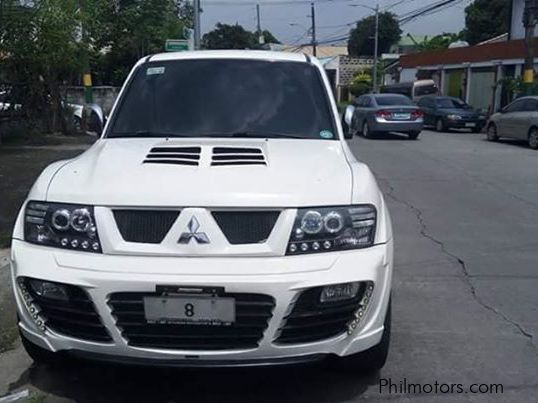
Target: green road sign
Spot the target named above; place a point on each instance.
(176, 45)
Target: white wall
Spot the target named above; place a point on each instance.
(407, 75)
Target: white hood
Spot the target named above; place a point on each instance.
(298, 173)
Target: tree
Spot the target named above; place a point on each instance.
(41, 54)
(485, 19)
(269, 37)
(226, 36)
(438, 42)
(361, 42)
(131, 29)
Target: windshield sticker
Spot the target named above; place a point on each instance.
(154, 70)
(326, 134)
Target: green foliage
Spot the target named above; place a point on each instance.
(43, 53)
(226, 36)
(485, 19)
(127, 30)
(439, 42)
(518, 88)
(361, 83)
(361, 42)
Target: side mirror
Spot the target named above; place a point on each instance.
(347, 120)
(95, 119)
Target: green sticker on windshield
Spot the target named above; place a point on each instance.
(154, 70)
(326, 134)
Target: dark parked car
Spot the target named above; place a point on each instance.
(446, 113)
(383, 113)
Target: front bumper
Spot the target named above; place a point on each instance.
(283, 278)
(465, 124)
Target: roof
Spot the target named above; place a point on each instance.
(472, 54)
(322, 51)
(229, 54)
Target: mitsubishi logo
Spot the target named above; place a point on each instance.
(192, 227)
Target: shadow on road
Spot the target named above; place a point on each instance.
(387, 136)
(84, 382)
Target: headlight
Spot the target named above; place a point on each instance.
(61, 225)
(330, 229)
(454, 117)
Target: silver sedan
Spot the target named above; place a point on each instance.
(383, 113)
(518, 120)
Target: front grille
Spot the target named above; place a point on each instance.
(174, 156)
(311, 321)
(253, 312)
(144, 226)
(246, 227)
(76, 317)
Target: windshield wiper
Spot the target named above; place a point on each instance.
(148, 133)
(255, 135)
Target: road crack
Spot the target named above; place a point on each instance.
(466, 275)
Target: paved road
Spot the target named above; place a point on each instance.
(465, 214)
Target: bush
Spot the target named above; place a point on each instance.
(361, 84)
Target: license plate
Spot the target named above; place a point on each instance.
(401, 116)
(197, 310)
(470, 124)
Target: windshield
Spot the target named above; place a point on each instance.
(225, 98)
(451, 103)
(393, 100)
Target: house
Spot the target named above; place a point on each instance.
(474, 73)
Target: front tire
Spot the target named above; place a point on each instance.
(413, 135)
(440, 125)
(373, 359)
(533, 138)
(492, 133)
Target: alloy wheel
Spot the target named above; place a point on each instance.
(533, 139)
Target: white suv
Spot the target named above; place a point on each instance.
(220, 220)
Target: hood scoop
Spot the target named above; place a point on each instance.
(174, 156)
(228, 156)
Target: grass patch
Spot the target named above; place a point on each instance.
(36, 398)
(5, 241)
(8, 338)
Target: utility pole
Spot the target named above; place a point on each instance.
(197, 25)
(529, 21)
(376, 47)
(314, 41)
(261, 39)
(86, 71)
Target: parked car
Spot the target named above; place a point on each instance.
(383, 113)
(446, 113)
(518, 120)
(414, 90)
(220, 220)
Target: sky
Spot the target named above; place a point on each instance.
(289, 21)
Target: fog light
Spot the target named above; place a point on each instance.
(49, 290)
(339, 292)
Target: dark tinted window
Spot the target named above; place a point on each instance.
(208, 97)
(393, 100)
(426, 103)
(516, 106)
(451, 103)
(531, 105)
